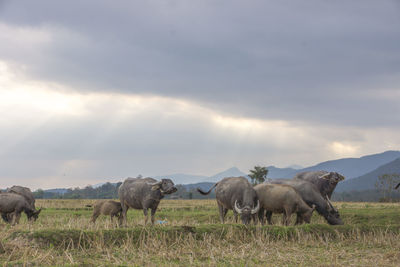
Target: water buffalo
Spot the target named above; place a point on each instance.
(143, 193)
(397, 186)
(23, 191)
(107, 207)
(311, 195)
(325, 181)
(14, 204)
(277, 198)
(237, 194)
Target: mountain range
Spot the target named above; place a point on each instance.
(361, 173)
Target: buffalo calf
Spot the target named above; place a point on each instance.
(107, 207)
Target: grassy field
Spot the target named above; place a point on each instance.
(192, 235)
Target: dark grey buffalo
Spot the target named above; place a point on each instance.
(325, 181)
(143, 193)
(237, 194)
(23, 191)
(311, 195)
(397, 186)
(14, 204)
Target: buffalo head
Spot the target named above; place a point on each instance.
(333, 214)
(246, 211)
(332, 177)
(33, 215)
(166, 186)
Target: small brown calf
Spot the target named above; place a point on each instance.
(107, 207)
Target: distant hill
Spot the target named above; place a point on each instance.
(232, 172)
(349, 167)
(181, 178)
(274, 172)
(367, 181)
(355, 167)
(57, 191)
(203, 186)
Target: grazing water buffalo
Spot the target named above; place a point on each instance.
(311, 195)
(14, 204)
(325, 181)
(144, 193)
(237, 194)
(107, 207)
(277, 198)
(23, 191)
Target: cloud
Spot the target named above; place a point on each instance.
(107, 89)
(275, 59)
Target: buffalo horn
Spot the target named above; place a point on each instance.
(257, 208)
(330, 204)
(154, 186)
(237, 209)
(325, 176)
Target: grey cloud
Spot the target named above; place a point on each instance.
(307, 61)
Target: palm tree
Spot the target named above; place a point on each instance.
(258, 175)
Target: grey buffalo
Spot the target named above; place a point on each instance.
(325, 181)
(311, 195)
(397, 186)
(144, 193)
(277, 198)
(237, 194)
(107, 207)
(23, 191)
(14, 205)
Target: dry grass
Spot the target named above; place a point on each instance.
(63, 235)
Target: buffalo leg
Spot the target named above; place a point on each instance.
(222, 213)
(269, 215)
(153, 212)
(94, 217)
(123, 212)
(255, 218)
(120, 219)
(261, 214)
(5, 217)
(299, 219)
(286, 218)
(235, 214)
(145, 210)
(16, 217)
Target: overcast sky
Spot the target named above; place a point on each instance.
(95, 91)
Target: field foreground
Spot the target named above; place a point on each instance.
(189, 233)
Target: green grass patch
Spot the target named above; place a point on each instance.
(170, 234)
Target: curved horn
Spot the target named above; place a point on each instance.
(155, 186)
(257, 208)
(330, 204)
(156, 183)
(237, 209)
(325, 176)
